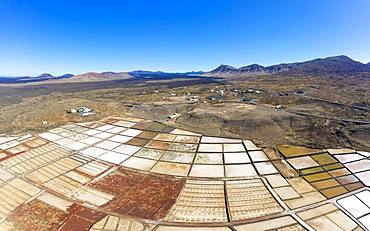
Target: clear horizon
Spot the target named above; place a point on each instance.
(148, 70)
(60, 37)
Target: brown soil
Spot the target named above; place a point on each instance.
(328, 112)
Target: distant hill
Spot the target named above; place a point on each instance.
(97, 77)
(30, 79)
(224, 70)
(68, 78)
(141, 73)
(49, 76)
(330, 65)
(337, 64)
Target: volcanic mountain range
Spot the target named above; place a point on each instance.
(340, 65)
(330, 65)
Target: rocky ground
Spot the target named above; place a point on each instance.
(316, 111)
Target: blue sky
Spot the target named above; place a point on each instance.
(76, 36)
